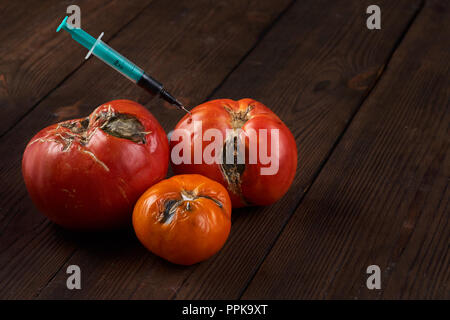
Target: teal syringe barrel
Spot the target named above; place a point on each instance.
(104, 52)
(115, 60)
(118, 62)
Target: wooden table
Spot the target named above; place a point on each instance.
(369, 110)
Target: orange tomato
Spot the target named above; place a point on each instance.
(185, 219)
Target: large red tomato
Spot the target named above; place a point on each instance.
(248, 129)
(88, 173)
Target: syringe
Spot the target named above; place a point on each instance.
(118, 62)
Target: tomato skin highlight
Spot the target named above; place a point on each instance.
(82, 174)
(184, 219)
(253, 187)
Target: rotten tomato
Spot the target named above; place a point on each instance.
(88, 173)
(184, 219)
(241, 144)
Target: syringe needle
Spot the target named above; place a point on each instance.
(171, 99)
(183, 107)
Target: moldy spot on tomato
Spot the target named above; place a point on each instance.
(232, 172)
(170, 206)
(119, 125)
(125, 126)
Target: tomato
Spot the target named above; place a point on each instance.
(253, 129)
(88, 173)
(184, 219)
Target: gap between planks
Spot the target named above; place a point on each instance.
(336, 143)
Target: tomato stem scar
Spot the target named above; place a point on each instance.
(171, 205)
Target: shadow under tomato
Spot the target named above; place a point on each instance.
(115, 240)
(122, 244)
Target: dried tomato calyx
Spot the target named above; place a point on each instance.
(77, 126)
(171, 205)
(191, 196)
(120, 125)
(116, 124)
(239, 118)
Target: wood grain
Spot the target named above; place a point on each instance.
(383, 196)
(315, 81)
(34, 59)
(190, 46)
(316, 97)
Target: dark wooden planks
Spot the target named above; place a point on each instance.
(34, 59)
(383, 196)
(314, 69)
(189, 46)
